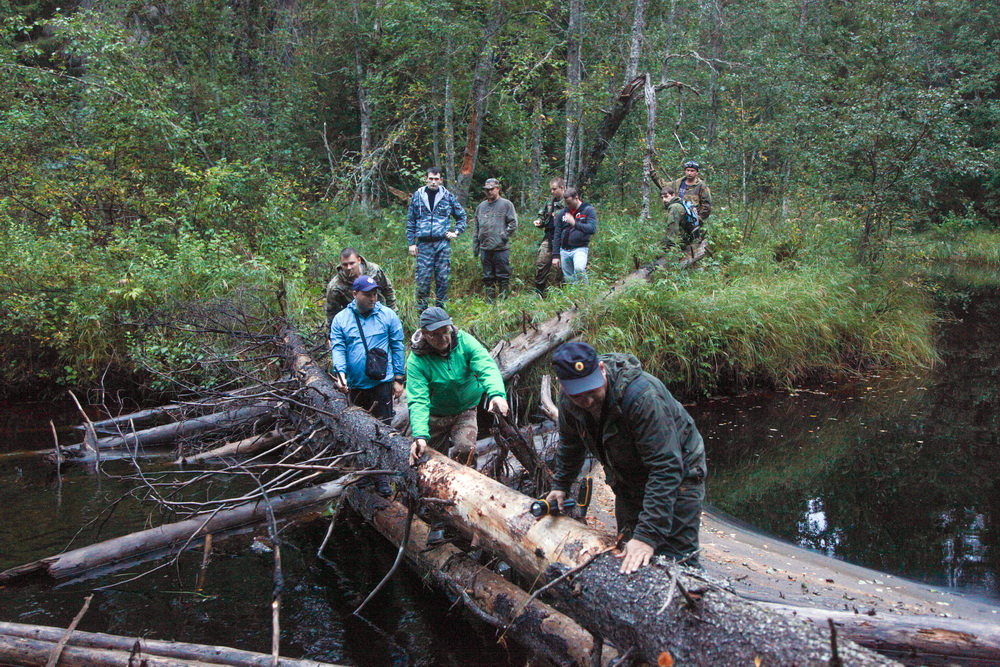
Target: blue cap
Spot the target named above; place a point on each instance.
(577, 368)
(364, 284)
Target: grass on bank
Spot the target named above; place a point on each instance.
(75, 304)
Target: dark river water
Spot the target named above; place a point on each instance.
(894, 472)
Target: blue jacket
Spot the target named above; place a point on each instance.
(382, 329)
(567, 237)
(423, 224)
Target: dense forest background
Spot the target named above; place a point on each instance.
(162, 151)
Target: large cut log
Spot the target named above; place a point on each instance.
(170, 538)
(92, 648)
(230, 420)
(518, 353)
(723, 630)
(548, 634)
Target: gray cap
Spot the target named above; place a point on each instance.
(434, 318)
(491, 183)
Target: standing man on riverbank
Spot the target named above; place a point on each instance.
(576, 224)
(547, 221)
(448, 373)
(429, 235)
(693, 189)
(653, 455)
(340, 291)
(494, 224)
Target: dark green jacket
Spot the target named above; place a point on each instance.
(646, 440)
(698, 194)
(339, 293)
(493, 225)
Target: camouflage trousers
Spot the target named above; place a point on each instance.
(683, 538)
(544, 271)
(433, 262)
(457, 433)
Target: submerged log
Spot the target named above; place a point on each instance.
(725, 629)
(171, 538)
(30, 645)
(535, 625)
(230, 420)
(251, 445)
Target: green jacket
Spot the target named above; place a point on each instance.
(675, 218)
(698, 194)
(339, 293)
(447, 384)
(646, 440)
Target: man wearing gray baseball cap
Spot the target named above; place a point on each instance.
(493, 226)
(461, 371)
(653, 456)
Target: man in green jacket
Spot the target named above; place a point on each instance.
(448, 372)
(676, 214)
(692, 188)
(653, 456)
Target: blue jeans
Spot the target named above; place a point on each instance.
(574, 264)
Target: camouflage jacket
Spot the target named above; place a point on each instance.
(339, 292)
(698, 194)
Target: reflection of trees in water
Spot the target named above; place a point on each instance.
(897, 475)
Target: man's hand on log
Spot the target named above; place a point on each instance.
(417, 449)
(499, 404)
(635, 555)
(556, 498)
(340, 383)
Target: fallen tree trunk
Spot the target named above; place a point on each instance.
(170, 538)
(518, 353)
(230, 420)
(535, 625)
(31, 644)
(251, 445)
(726, 629)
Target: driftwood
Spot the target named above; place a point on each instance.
(250, 445)
(127, 550)
(30, 645)
(228, 421)
(725, 629)
(548, 634)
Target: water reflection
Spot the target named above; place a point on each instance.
(895, 473)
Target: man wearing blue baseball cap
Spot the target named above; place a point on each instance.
(653, 456)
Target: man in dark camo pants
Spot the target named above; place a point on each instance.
(429, 236)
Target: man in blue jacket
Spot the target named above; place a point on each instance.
(367, 325)
(429, 235)
(575, 225)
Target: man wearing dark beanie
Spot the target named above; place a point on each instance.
(653, 456)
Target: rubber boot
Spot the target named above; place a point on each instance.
(504, 291)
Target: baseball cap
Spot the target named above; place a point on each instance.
(491, 183)
(364, 284)
(434, 318)
(577, 367)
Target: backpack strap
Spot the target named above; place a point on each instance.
(361, 330)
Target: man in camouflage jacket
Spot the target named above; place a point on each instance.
(352, 266)
(692, 188)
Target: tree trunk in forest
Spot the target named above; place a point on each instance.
(537, 128)
(533, 624)
(574, 75)
(650, 154)
(449, 124)
(712, 12)
(479, 102)
(170, 538)
(612, 121)
(728, 630)
(93, 648)
(635, 45)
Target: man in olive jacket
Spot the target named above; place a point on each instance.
(340, 290)
(494, 224)
(653, 456)
(692, 188)
(448, 372)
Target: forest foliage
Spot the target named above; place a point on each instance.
(158, 154)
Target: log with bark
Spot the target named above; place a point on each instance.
(251, 445)
(546, 633)
(260, 415)
(723, 629)
(128, 550)
(30, 645)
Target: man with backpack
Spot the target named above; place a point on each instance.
(683, 225)
(691, 188)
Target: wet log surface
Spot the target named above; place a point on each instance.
(30, 645)
(127, 550)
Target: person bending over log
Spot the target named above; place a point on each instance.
(448, 372)
(653, 455)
